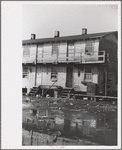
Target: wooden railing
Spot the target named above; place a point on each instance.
(77, 57)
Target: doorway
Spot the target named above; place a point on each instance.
(69, 76)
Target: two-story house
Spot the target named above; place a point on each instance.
(71, 61)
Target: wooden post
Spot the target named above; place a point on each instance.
(68, 95)
(36, 64)
(94, 99)
(42, 92)
(37, 138)
(31, 137)
(106, 83)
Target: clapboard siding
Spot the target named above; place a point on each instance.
(44, 75)
(72, 50)
(31, 58)
(110, 46)
(101, 80)
(62, 51)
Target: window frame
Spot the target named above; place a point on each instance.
(54, 45)
(89, 47)
(25, 73)
(88, 73)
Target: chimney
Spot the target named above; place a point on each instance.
(33, 36)
(57, 34)
(84, 31)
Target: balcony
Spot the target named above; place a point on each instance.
(98, 57)
(29, 60)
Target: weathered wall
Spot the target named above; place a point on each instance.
(62, 51)
(77, 49)
(29, 81)
(44, 75)
(78, 79)
(109, 44)
(112, 79)
(32, 53)
(47, 50)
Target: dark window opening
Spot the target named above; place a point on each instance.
(89, 47)
(25, 72)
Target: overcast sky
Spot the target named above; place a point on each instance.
(44, 20)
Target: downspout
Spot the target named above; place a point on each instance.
(106, 73)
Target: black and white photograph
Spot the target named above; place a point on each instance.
(69, 75)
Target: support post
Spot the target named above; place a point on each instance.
(36, 64)
(42, 92)
(106, 83)
(31, 137)
(94, 99)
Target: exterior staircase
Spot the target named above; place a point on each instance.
(34, 91)
(65, 92)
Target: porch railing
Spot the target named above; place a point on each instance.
(77, 57)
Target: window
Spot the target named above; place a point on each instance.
(54, 74)
(88, 73)
(55, 48)
(89, 48)
(25, 72)
(26, 51)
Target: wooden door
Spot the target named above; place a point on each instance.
(38, 81)
(69, 76)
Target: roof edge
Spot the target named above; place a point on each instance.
(67, 38)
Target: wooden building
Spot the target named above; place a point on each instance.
(72, 61)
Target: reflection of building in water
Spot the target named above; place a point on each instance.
(43, 110)
(83, 124)
(59, 121)
(67, 123)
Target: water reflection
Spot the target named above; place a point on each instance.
(98, 127)
(85, 124)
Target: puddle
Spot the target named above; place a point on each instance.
(100, 128)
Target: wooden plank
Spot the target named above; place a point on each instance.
(95, 96)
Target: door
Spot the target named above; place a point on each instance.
(69, 76)
(38, 81)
